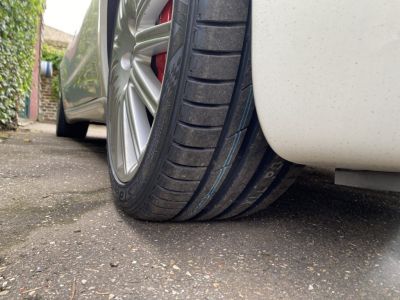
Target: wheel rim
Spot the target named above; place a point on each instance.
(141, 38)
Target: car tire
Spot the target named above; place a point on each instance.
(64, 129)
(206, 157)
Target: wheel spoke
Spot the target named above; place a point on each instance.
(138, 121)
(120, 145)
(140, 9)
(131, 150)
(153, 40)
(125, 28)
(127, 12)
(148, 12)
(146, 85)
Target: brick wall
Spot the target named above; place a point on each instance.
(48, 103)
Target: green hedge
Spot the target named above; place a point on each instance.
(18, 31)
(55, 55)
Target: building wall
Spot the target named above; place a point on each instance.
(34, 98)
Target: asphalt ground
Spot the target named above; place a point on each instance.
(61, 237)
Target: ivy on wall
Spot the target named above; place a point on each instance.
(18, 31)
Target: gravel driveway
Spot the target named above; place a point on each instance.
(61, 237)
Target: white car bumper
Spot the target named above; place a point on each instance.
(327, 81)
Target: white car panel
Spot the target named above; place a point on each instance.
(327, 81)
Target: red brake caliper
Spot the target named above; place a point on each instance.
(161, 59)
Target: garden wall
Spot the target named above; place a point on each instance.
(48, 102)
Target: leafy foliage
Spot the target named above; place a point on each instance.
(55, 88)
(18, 30)
(54, 55)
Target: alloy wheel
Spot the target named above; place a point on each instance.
(141, 40)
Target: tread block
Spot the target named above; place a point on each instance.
(214, 67)
(190, 156)
(165, 194)
(203, 115)
(169, 205)
(183, 172)
(216, 38)
(177, 185)
(223, 11)
(197, 136)
(209, 93)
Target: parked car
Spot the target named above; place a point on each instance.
(212, 107)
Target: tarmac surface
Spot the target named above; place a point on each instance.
(61, 237)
